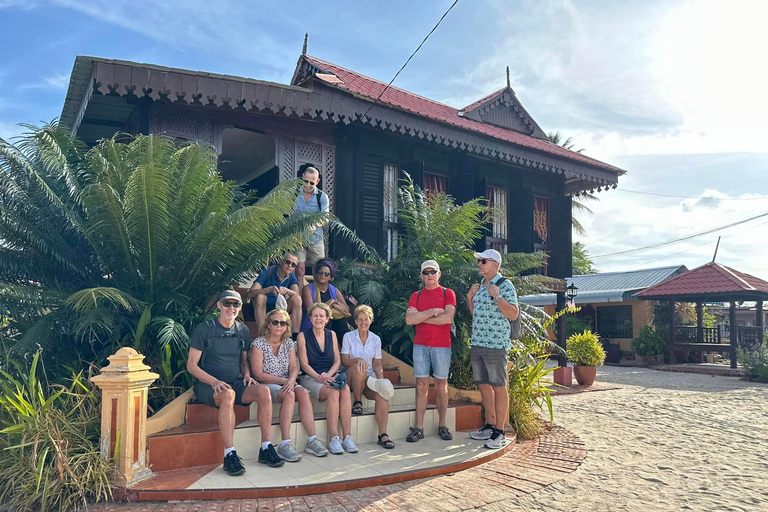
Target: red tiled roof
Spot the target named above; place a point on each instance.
(706, 279)
(399, 98)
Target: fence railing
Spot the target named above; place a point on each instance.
(687, 334)
(749, 337)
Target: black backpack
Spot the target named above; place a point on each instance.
(516, 325)
(242, 333)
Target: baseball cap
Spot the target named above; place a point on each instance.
(488, 254)
(230, 294)
(430, 264)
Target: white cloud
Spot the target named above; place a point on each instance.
(54, 82)
(23, 4)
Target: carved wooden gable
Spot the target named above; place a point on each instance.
(504, 110)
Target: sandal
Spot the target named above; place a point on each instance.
(415, 435)
(357, 409)
(388, 444)
(444, 433)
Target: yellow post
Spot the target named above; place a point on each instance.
(124, 384)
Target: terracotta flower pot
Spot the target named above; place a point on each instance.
(585, 375)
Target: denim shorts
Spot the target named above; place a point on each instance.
(489, 365)
(438, 357)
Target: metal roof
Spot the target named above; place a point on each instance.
(609, 286)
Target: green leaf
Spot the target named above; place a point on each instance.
(146, 316)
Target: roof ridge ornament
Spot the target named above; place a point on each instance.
(508, 84)
(304, 48)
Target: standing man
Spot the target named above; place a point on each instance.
(218, 360)
(273, 281)
(311, 200)
(431, 310)
(492, 306)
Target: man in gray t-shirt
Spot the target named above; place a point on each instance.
(218, 359)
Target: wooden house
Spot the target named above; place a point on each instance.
(361, 135)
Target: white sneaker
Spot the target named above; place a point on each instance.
(349, 444)
(335, 446)
(497, 440)
(316, 448)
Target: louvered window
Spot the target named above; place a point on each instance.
(435, 183)
(498, 201)
(389, 192)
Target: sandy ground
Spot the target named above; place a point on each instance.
(663, 442)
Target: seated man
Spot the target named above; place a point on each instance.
(273, 281)
(218, 360)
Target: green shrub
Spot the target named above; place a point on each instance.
(50, 443)
(585, 349)
(574, 324)
(649, 343)
(755, 362)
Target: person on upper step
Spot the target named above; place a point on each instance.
(218, 360)
(273, 363)
(274, 281)
(431, 310)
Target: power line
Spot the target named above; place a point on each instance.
(409, 58)
(693, 197)
(677, 240)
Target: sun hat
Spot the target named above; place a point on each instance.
(383, 387)
(230, 294)
(488, 254)
(430, 264)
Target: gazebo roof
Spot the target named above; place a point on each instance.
(708, 281)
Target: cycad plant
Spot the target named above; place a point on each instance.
(126, 243)
(433, 226)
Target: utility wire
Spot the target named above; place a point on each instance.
(677, 240)
(409, 58)
(694, 197)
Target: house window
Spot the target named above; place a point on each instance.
(615, 321)
(541, 220)
(498, 201)
(435, 183)
(391, 175)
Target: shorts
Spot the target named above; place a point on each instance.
(438, 357)
(312, 253)
(274, 388)
(489, 365)
(204, 393)
(313, 386)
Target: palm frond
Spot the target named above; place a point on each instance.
(93, 298)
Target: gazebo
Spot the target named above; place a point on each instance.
(712, 282)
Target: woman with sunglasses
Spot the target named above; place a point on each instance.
(320, 360)
(321, 290)
(273, 363)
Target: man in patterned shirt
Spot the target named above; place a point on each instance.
(492, 306)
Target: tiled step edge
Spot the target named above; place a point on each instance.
(303, 490)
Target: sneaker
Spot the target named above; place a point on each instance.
(233, 464)
(444, 433)
(484, 433)
(335, 446)
(270, 457)
(349, 444)
(497, 440)
(288, 452)
(316, 448)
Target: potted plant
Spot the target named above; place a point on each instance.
(585, 350)
(649, 347)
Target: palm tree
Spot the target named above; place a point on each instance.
(557, 138)
(126, 243)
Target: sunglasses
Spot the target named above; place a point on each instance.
(281, 323)
(428, 272)
(324, 274)
(484, 261)
(230, 304)
(290, 263)
(308, 182)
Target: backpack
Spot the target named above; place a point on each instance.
(242, 333)
(445, 299)
(516, 325)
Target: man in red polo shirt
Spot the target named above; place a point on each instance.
(431, 310)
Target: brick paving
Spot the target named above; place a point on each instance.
(528, 467)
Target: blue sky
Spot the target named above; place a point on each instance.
(671, 90)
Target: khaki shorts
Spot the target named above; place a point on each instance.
(311, 254)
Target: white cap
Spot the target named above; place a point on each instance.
(383, 387)
(488, 254)
(430, 264)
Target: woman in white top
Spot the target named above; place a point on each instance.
(361, 354)
(273, 363)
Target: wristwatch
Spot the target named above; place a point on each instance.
(498, 297)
